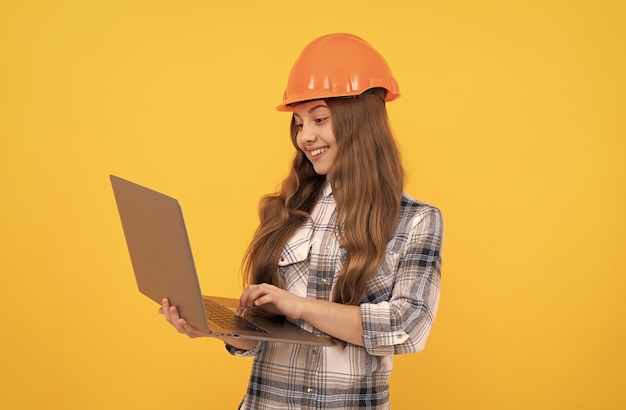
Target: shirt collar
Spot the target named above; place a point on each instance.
(328, 190)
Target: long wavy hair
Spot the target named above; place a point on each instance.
(367, 180)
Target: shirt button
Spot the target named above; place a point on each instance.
(309, 390)
(323, 280)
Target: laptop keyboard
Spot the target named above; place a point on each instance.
(226, 318)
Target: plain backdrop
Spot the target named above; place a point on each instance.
(511, 121)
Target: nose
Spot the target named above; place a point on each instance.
(307, 134)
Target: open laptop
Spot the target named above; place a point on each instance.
(164, 268)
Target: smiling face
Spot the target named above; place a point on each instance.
(315, 135)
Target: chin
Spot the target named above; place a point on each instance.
(319, 171)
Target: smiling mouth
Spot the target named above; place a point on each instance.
(318, 151)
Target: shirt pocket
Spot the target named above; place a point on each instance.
(293, 266)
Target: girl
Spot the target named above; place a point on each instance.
(340, 249)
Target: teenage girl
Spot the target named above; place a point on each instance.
(340, 250)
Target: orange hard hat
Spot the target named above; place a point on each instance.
(337, 65)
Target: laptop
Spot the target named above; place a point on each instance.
(163, 264)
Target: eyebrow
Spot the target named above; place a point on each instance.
(310, 111)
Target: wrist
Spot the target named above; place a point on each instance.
(303, 309)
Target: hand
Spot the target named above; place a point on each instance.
(180, 324)
(272, 299)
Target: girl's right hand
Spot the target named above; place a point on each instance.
(180, 324)
(184, 327)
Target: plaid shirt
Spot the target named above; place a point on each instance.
(397, 314)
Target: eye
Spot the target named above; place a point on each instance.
(321, 120)
(298, 125)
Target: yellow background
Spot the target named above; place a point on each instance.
(511, 121)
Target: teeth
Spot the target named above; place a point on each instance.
(318, 151)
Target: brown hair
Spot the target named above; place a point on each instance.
(367, 180)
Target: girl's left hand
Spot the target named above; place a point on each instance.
(272, 299)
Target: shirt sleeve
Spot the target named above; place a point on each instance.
(235, 351)
(402, 324)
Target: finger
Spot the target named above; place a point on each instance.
(248, 297)
(189, 329)
(175, 319)
(264, 299)
(267, 293)
(243, 300)
(241, 307)
(165, 307)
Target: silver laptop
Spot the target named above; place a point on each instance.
(164, 268)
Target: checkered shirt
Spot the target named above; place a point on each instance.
(397, 314)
